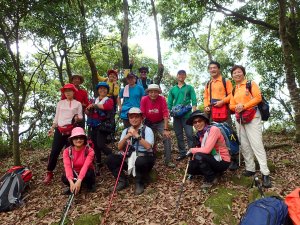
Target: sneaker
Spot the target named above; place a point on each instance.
(48, 178)
(139, 188)
(266, 181)
(248, 173)
(170, 165)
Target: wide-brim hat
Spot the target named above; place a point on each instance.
(102, 84)
(112, 71)
(153, 87)
(77, 131)
(68, 86)
(143, 68)
(195, 114)
(77, 75)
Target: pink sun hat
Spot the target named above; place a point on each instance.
(77, 131)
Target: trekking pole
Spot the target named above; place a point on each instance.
(117, 180)
(66, 209)
(181, 187)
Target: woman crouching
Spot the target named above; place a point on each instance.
(211, 156)
(78, 163)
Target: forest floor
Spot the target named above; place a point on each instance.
(224, 203)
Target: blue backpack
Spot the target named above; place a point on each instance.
(266, 211)
(231, 138)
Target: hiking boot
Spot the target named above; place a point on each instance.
(66, 191)
(122, 184)
(266, 181)
(170, 165)
(248, 173)
(233, 165)
(48, 178)
(209, 184)
(139, 188)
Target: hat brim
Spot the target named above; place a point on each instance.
(191, 119)
(77, 136)
(79, 76)
(64, 89)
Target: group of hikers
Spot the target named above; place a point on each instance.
(145, 114)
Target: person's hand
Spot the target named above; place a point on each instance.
(219, 103)
(239, 108)
(133, 132)
(167, 133)
(207, 109)
(51, 132)
(77, 186)
(72, 186)
(76, 118)
(90, 106)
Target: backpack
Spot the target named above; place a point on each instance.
(230, 136)
(266, 211)
(12, 185)
(263, 106)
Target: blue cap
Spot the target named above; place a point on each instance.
(102, 84)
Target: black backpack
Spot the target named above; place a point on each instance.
(11, 189)
(263, 106)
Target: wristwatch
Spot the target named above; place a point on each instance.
(139, 138)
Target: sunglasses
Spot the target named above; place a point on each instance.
(78, 138)
(197, 121)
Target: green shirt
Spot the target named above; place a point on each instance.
(177, 94)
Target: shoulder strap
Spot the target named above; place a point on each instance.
(233, 91)
(249, 86)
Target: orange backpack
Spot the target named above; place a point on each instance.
(293, 202)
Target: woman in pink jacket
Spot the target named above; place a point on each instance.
(210, 156)
(78, 163)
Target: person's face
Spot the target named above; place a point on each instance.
(153, 94)
(69, 93)
(78, 141)
(199, 123)
(131, 80)
(76, 81)
(102, 91)
(214, 71)
(181, 77)
(238, 75)
(112, 77)
(135, 119)
(143, 74)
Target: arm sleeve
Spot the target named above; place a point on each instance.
(123, 134)
(121, 93)
(85, 99)
(211, 141)
(67, 164)
(108, 105)
(101, 79)
(229, 90)
(149, 136)
(116, 90)
(88, 161)
(193, 96)
(79, 110)
(56, 114)
(232, 104)
(142, 104)
(256, 94)
(205, 95)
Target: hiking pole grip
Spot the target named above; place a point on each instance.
(117, 180)
(66, 209)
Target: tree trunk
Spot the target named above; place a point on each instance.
(160, 67)
(85, 46)
(289, 66)
(124, 36)
(15, 142)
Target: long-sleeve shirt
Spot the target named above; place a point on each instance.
(242, 95)
(215, 140)
(217, 91)
(184, 95)
(81, 95)
(81, 162)
(154, 111)
(66, 110)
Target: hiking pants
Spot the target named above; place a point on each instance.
(89, 178)
(59, 141)
(143, 166)
(252, 144)
(179, 125)
(99, 140)
(159, 127)
(207, 165)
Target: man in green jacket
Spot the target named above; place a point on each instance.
(185, 95)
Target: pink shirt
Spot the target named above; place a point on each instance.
(155, 111)
(80, 95)
(65, 111)
(214, 140)
(81, 162)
